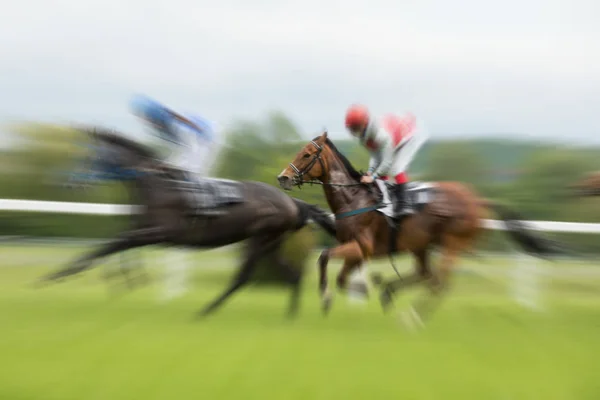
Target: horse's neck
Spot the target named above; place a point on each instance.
(344, 198)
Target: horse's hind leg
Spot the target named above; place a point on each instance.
(110, 273)
(125, 269)
(422, 272)
(128, 263)
(256, 249)
(243, 275)
(133, 270)
(294, 277)
(290, 273)
(141, 277)
(438, 283)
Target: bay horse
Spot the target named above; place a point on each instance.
(452, 219)
(255, 212)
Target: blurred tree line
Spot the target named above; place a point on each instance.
(530, 177)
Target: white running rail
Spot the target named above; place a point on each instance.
(64, 207)
(526, 274)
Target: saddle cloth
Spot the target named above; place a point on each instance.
(419, 194)
(214, 192)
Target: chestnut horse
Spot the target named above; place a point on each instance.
(452, 218)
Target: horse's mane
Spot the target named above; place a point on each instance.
(345, 162)
(115, 138)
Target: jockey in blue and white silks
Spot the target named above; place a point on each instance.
(186, 142)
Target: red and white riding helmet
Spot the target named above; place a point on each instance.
(357, 116)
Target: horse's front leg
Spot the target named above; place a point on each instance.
(126, 241)
(358, 287)
(323, 284)
(352, 254)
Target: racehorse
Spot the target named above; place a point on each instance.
(588, 186)
(261, 213)
(451, 217)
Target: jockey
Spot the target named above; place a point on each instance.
(186, 143)
(392, 142)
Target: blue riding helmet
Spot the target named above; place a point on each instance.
(150, 109)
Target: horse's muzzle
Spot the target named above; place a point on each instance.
(285, 182)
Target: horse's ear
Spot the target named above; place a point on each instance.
(324, 135)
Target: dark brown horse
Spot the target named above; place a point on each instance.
(452, 219)
(253, 212)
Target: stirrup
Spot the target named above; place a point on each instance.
(407, 211)
(403, 213)
(209, 212)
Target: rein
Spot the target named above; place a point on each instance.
(317, 157)
(299, 174)
(350, 213)
(316, 182)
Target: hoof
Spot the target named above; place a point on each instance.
(205, 312)
(40, 283)
(376, 278)
(385, 298)
(326, 303)
(144, 280)
(201, 315)
(358, 291)
(291, 315)
(47, 280)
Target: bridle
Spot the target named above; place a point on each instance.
(299, 174)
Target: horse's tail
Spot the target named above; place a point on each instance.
(517, 229)
(310, 212)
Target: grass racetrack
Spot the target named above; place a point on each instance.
(79, 341)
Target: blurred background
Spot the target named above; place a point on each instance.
(510, 93)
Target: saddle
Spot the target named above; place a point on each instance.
(207, 196)
(418, 195)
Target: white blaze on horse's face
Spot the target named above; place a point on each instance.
(285, 180)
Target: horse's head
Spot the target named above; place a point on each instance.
(308, 165)
(589, 186)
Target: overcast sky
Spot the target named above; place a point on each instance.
(473, 67)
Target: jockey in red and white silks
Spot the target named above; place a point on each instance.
(392, 143)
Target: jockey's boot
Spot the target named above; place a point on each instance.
(402, 205)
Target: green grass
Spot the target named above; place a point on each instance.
(78, 341)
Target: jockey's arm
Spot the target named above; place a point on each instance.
(374, 162)
(386, 153)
